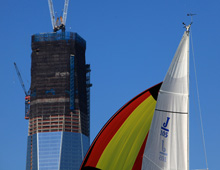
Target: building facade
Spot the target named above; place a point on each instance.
(59, 118)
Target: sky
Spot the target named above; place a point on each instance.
(130, 44)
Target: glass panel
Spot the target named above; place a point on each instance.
(71, 157)
(49, 150)
(28, 159)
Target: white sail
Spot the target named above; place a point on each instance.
(167, 146)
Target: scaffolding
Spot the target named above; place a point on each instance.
(60, 82)
(57, 36)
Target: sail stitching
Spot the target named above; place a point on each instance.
(171, 111)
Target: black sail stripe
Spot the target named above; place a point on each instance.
(171, 111)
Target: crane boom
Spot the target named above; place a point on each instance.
(58, 23)
(65, 11)
(20, 79)
(27, 94)
(52, 16)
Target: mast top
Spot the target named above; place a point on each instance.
(187, 26)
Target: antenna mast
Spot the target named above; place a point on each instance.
(191, 15)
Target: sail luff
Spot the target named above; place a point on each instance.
(167, 145)
(188, 100)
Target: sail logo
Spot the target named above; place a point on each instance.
(164, 133)
(164, 130)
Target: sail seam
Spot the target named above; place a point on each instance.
(168, 92)
(152, 162)
(168, 111)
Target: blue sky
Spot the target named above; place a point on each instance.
(130, 45)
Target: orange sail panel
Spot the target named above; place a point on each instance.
(121, 142)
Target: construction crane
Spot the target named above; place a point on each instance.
(60, 22)
(27, 94)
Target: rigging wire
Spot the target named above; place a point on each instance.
(198, 98)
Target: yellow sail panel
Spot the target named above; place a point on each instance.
(124, 147)
(121, 142)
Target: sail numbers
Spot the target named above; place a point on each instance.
(164, 133)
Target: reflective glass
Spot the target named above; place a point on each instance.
(28, 159)
(49, 155)
(49, 150)
(34, 152)
(74, 148)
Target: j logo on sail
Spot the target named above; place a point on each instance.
(166, 123)
(164, 129)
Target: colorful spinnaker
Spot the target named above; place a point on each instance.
(121, 142)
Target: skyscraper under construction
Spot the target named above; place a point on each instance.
(59, 118)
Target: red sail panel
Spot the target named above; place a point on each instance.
(122, 139)
(138, 161)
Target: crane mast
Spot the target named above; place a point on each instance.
(27, 94)
(58, 23)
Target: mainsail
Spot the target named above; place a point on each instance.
(121, 142)
(167, 146)
(150, 132)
